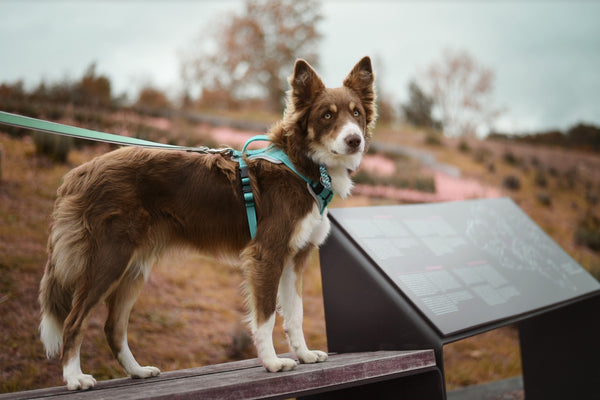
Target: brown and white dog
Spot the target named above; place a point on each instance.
(115, 214)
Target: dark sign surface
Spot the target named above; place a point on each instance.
(463, 264)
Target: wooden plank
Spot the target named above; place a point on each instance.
(120, 382)
(248, 379)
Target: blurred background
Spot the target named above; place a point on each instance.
(476, 99)
(540, 59)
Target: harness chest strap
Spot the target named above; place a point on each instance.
(321, 190)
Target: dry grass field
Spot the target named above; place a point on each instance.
(191, 311)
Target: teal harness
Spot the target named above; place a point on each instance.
(321, 190)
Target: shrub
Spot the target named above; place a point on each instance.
(152, 99)
(591, 196)
(424, 184)
(55, 147)
(241, 344)
(587, 232)
(433, 138)
(481, 154)
(510, 158)
(541, 180)
(511, 182)
(544, 199)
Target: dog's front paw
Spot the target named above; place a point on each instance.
(145, 372)
(312, 356)
(80, 381)
(279, 364)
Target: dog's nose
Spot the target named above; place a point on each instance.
(353, 141)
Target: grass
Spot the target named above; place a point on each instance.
(486, 357)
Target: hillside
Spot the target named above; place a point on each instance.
(191, 310)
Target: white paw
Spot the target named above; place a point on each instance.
(279, 364)
(145, 372)
(312, 356)
(80, 381)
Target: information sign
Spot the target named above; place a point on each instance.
(469, 263)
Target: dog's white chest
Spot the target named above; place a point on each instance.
(312, 229)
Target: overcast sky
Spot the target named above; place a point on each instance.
(545, 54)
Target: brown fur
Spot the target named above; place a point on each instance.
(116, 213)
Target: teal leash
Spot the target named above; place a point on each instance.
(88, 134)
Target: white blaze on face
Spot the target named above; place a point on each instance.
(340, 153)
(349, 141)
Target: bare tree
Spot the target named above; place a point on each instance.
(251, 54)
(461, 90)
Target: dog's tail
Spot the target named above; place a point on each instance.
(55, 302)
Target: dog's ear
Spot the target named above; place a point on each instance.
(361, 80)
(305, 84)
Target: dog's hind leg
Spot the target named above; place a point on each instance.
(103, 271)
(290, 307)
(85, 300)
(120, 303)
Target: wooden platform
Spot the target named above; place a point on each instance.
(249, 380)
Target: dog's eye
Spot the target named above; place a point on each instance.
(327, 115)
(356, 113)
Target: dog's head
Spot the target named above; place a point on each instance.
(336, 123)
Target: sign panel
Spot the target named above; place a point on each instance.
(464, 264)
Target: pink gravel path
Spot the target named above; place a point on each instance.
(448, 188)
(231, 137)
(378, 164)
